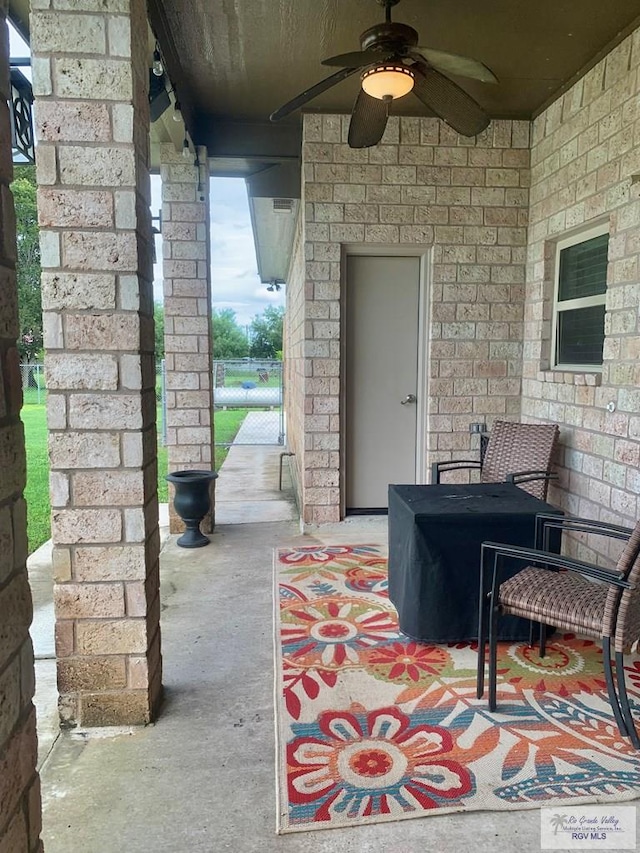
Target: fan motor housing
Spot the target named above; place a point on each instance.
(389, 36)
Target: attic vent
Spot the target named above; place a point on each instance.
(282, 205)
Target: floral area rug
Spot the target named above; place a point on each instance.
(373, 726)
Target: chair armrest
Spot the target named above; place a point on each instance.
(545, 521)
(529, 476)
(452, 465)
(546, 559)
(589, 525)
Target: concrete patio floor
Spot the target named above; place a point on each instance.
(202, 779)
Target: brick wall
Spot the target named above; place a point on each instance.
(19, 782)
(585, 150)
(423, 185)
(187, 309)
(90, 77)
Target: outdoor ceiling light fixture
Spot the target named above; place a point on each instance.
(275, 285)
(157, 67)
(200, 187)
(159, 100)
(177, 112)
(388, 82)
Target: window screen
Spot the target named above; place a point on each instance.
(581, 287)
(583, 269)
(581, 336)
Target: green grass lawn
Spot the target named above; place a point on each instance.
(34, 397)
(37, 491)
(227, 423)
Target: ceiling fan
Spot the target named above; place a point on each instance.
(392, 64)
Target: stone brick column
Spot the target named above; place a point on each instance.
(90, 80)
(187, 315)
(19, 782)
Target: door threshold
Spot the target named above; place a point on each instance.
(376, 510)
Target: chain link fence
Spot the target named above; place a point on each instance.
(33, 386)
(252, 388)
(254, 385)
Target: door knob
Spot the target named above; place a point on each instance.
(410, 398)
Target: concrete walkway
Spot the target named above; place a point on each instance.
(259, 428)
(247, 488)
(202, 779)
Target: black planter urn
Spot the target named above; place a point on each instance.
(192, 502)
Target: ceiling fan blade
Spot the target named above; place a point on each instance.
(358, 59)
(448, 101)
(368, 121)
(452, 63)
(311, 93)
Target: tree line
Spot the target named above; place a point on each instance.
(262, 338)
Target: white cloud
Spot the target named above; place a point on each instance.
(234, 277)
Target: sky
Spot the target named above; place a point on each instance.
(234, 275)
(17, 45)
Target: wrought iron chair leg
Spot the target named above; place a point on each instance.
(532, 630)
(543, 639)
(624, 701)
(493, 656)
(611, 690)
(482, 643)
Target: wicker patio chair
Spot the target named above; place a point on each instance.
(571, 595)
(517, 453)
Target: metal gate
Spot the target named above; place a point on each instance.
(255, 387)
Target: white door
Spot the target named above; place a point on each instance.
(381, 350)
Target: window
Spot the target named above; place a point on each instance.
(580, 293)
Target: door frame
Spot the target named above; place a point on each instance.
(424, 254)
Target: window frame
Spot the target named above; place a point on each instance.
(574, 304)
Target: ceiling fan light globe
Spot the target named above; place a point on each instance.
(387, 81)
